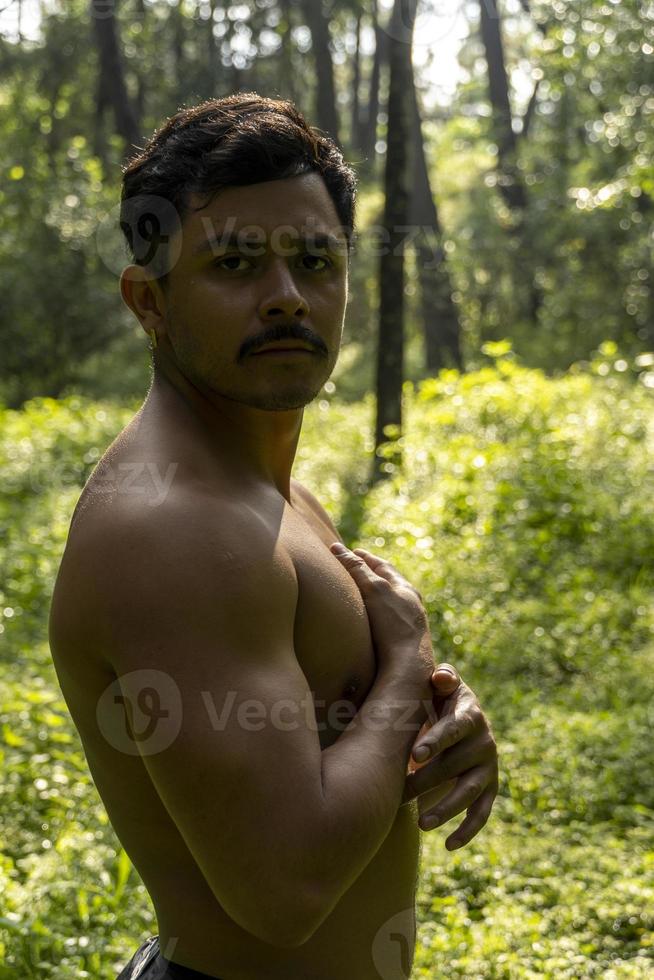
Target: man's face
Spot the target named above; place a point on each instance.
(249, 273)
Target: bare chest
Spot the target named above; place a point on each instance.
(332, 637)
(331, 631)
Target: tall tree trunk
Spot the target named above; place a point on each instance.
(510, 183)
(53, 138)
(509, 179)
(141, 90)
(287, 72)
(355, 123)
(111, 71)
(235, 80)
(212, 53)
(99, 140)
(390, 351)
(380, 58)
(177, 37)
(645, 205)
(317, 22)
(442, 330)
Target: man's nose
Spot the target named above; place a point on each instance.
(281, 294)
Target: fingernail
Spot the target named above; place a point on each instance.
(454, 845)
(421, 753)
(339, 549)
(428, 823)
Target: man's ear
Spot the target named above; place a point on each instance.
(145, 298)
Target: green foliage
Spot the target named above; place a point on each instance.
(523, 514)
(526, 515)
(585, 163)
(59, 304)
(586, 166)
(47, 451)
(555, 903)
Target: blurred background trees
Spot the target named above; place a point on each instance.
(531, 195)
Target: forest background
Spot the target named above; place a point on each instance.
(521, 322)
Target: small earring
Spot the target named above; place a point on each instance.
(153, 338)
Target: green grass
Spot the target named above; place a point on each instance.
(524, 515)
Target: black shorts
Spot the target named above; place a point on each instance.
(148, 964)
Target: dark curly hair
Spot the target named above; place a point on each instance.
(235, 141)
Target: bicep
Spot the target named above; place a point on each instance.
(241, 780)
(236, 760)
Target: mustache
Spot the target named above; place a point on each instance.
(285, 331)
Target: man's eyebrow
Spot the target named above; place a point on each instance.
(322, 240)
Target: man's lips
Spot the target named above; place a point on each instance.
(295, 352)
(278, 351)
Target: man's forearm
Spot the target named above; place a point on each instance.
(363, 777)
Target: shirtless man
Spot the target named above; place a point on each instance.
(247, 699)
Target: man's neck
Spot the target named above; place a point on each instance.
(250, 444)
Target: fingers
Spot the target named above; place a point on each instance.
(445, 680)
(379, 565)
(360, 570)
(452, 728)
(476, 818)
(363, 562)
(468, 790)
(455, 762)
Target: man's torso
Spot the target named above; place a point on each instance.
(334, 649)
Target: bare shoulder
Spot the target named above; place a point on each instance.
(187, 520)
(312, 501)
(131, 567)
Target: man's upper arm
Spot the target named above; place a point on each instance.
(207, 617)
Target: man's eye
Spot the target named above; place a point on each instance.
(318, 258)
(234, 259)
(231, 263)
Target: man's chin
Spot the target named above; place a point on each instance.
(282, 403)
(289, 400)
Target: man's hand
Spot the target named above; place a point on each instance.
(460, 771)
